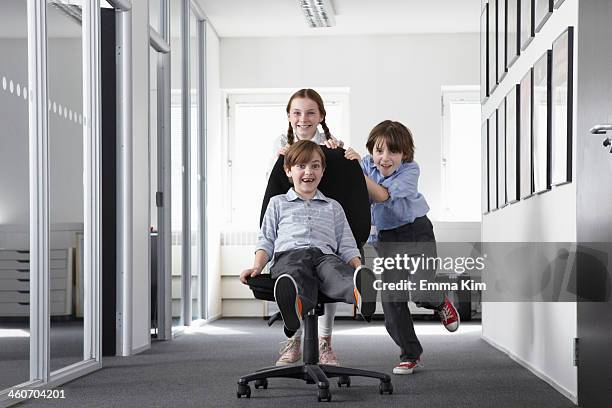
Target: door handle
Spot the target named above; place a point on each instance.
(603, 129)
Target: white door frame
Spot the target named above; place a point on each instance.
(164, 193)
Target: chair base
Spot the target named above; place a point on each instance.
(310, 371)
(318, 374)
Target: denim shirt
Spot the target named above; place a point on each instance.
(405, 203)
(291, 222)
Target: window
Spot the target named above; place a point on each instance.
(461, 156)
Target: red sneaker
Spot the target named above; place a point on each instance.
(449, 316)
(407, 367)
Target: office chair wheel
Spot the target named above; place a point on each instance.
(344, 380)
(261, 383)
(243, 390)
(324, 394)
(385, 387)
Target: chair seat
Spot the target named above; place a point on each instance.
(263, 289)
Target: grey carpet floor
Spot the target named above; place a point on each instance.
(66, 348)
(200, 369)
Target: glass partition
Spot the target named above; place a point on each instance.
(15, 197)
(66, 194)
(195, 177)
(176, 165)
(153, 221)
(154, 11)
(46, 167)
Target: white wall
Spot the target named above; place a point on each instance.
(539, 335)
(390, 77)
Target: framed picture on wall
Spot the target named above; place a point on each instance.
(541, 123)
(513, 47)
(526, 23)
(492, 27)
(543, 9)
(484, 138)
(502, 200)
(484, 54)
(558, 3)
(501, 40)
(512, 139)
(492, 169)
(561, 107)
(525, 127)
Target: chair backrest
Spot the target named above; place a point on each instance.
(343, 181)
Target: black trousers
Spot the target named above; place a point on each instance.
(416, 239)
(314, 271)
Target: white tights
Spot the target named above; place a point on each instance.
(326, 322)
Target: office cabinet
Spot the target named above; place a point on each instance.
(15, 282)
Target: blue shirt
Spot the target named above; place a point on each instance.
(405, 203)
(291, 222)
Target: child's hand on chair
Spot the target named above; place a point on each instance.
(351, 154)
(249, 273)
(334, 143)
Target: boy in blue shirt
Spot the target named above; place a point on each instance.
(308, 239)
(399, 213)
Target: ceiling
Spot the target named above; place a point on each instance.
(283, 18)
(273, 18)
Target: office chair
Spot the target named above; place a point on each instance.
(343, 181)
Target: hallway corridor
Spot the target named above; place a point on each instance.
(200, 369)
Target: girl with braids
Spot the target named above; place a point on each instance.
(305, 112)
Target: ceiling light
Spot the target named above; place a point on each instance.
(318, 13)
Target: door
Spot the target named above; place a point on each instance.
(593, 177)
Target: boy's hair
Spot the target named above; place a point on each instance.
(302, 152)
(396, 136)
(311, 94)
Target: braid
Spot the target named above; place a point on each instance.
(290, 135)
(326, 130)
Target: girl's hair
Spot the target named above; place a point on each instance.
(313, 95)
(396, 136)
(301, 152)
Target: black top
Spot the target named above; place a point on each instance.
(342, 180)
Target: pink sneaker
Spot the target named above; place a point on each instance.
(407, 367)
(290, 352)
(326, 354)
(449, 316)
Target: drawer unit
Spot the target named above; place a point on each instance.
(56, 273)
(23, 309)
(24, 284)
(6, 254)
(14, 264)
(57, 296)
(15, 282)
